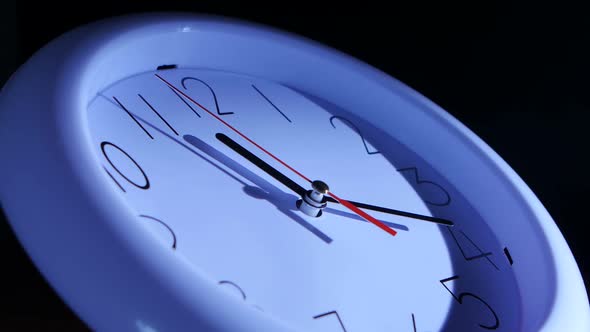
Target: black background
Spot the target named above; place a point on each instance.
(516, 75)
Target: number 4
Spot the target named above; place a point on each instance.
(474, 257)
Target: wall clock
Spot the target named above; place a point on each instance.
(187, 173)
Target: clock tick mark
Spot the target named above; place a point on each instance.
(507, 253)
(166, 67)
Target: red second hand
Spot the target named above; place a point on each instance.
(344, 202)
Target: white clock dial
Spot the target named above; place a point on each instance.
(242, 228)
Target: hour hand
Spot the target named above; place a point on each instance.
(282, 178)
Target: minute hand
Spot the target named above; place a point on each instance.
(302, 191)
(396, 212)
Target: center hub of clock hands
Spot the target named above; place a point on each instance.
(313, 201)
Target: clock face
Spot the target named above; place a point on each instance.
(170, 161)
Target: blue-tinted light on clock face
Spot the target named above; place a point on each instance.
(242, 227)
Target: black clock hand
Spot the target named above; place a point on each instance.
(302, 191)
(282, 178)
(396, 212)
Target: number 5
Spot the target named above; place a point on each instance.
(462, 296)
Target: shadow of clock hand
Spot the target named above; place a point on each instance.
(356, 217)
(275, 196)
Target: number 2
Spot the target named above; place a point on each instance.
(355, 128)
